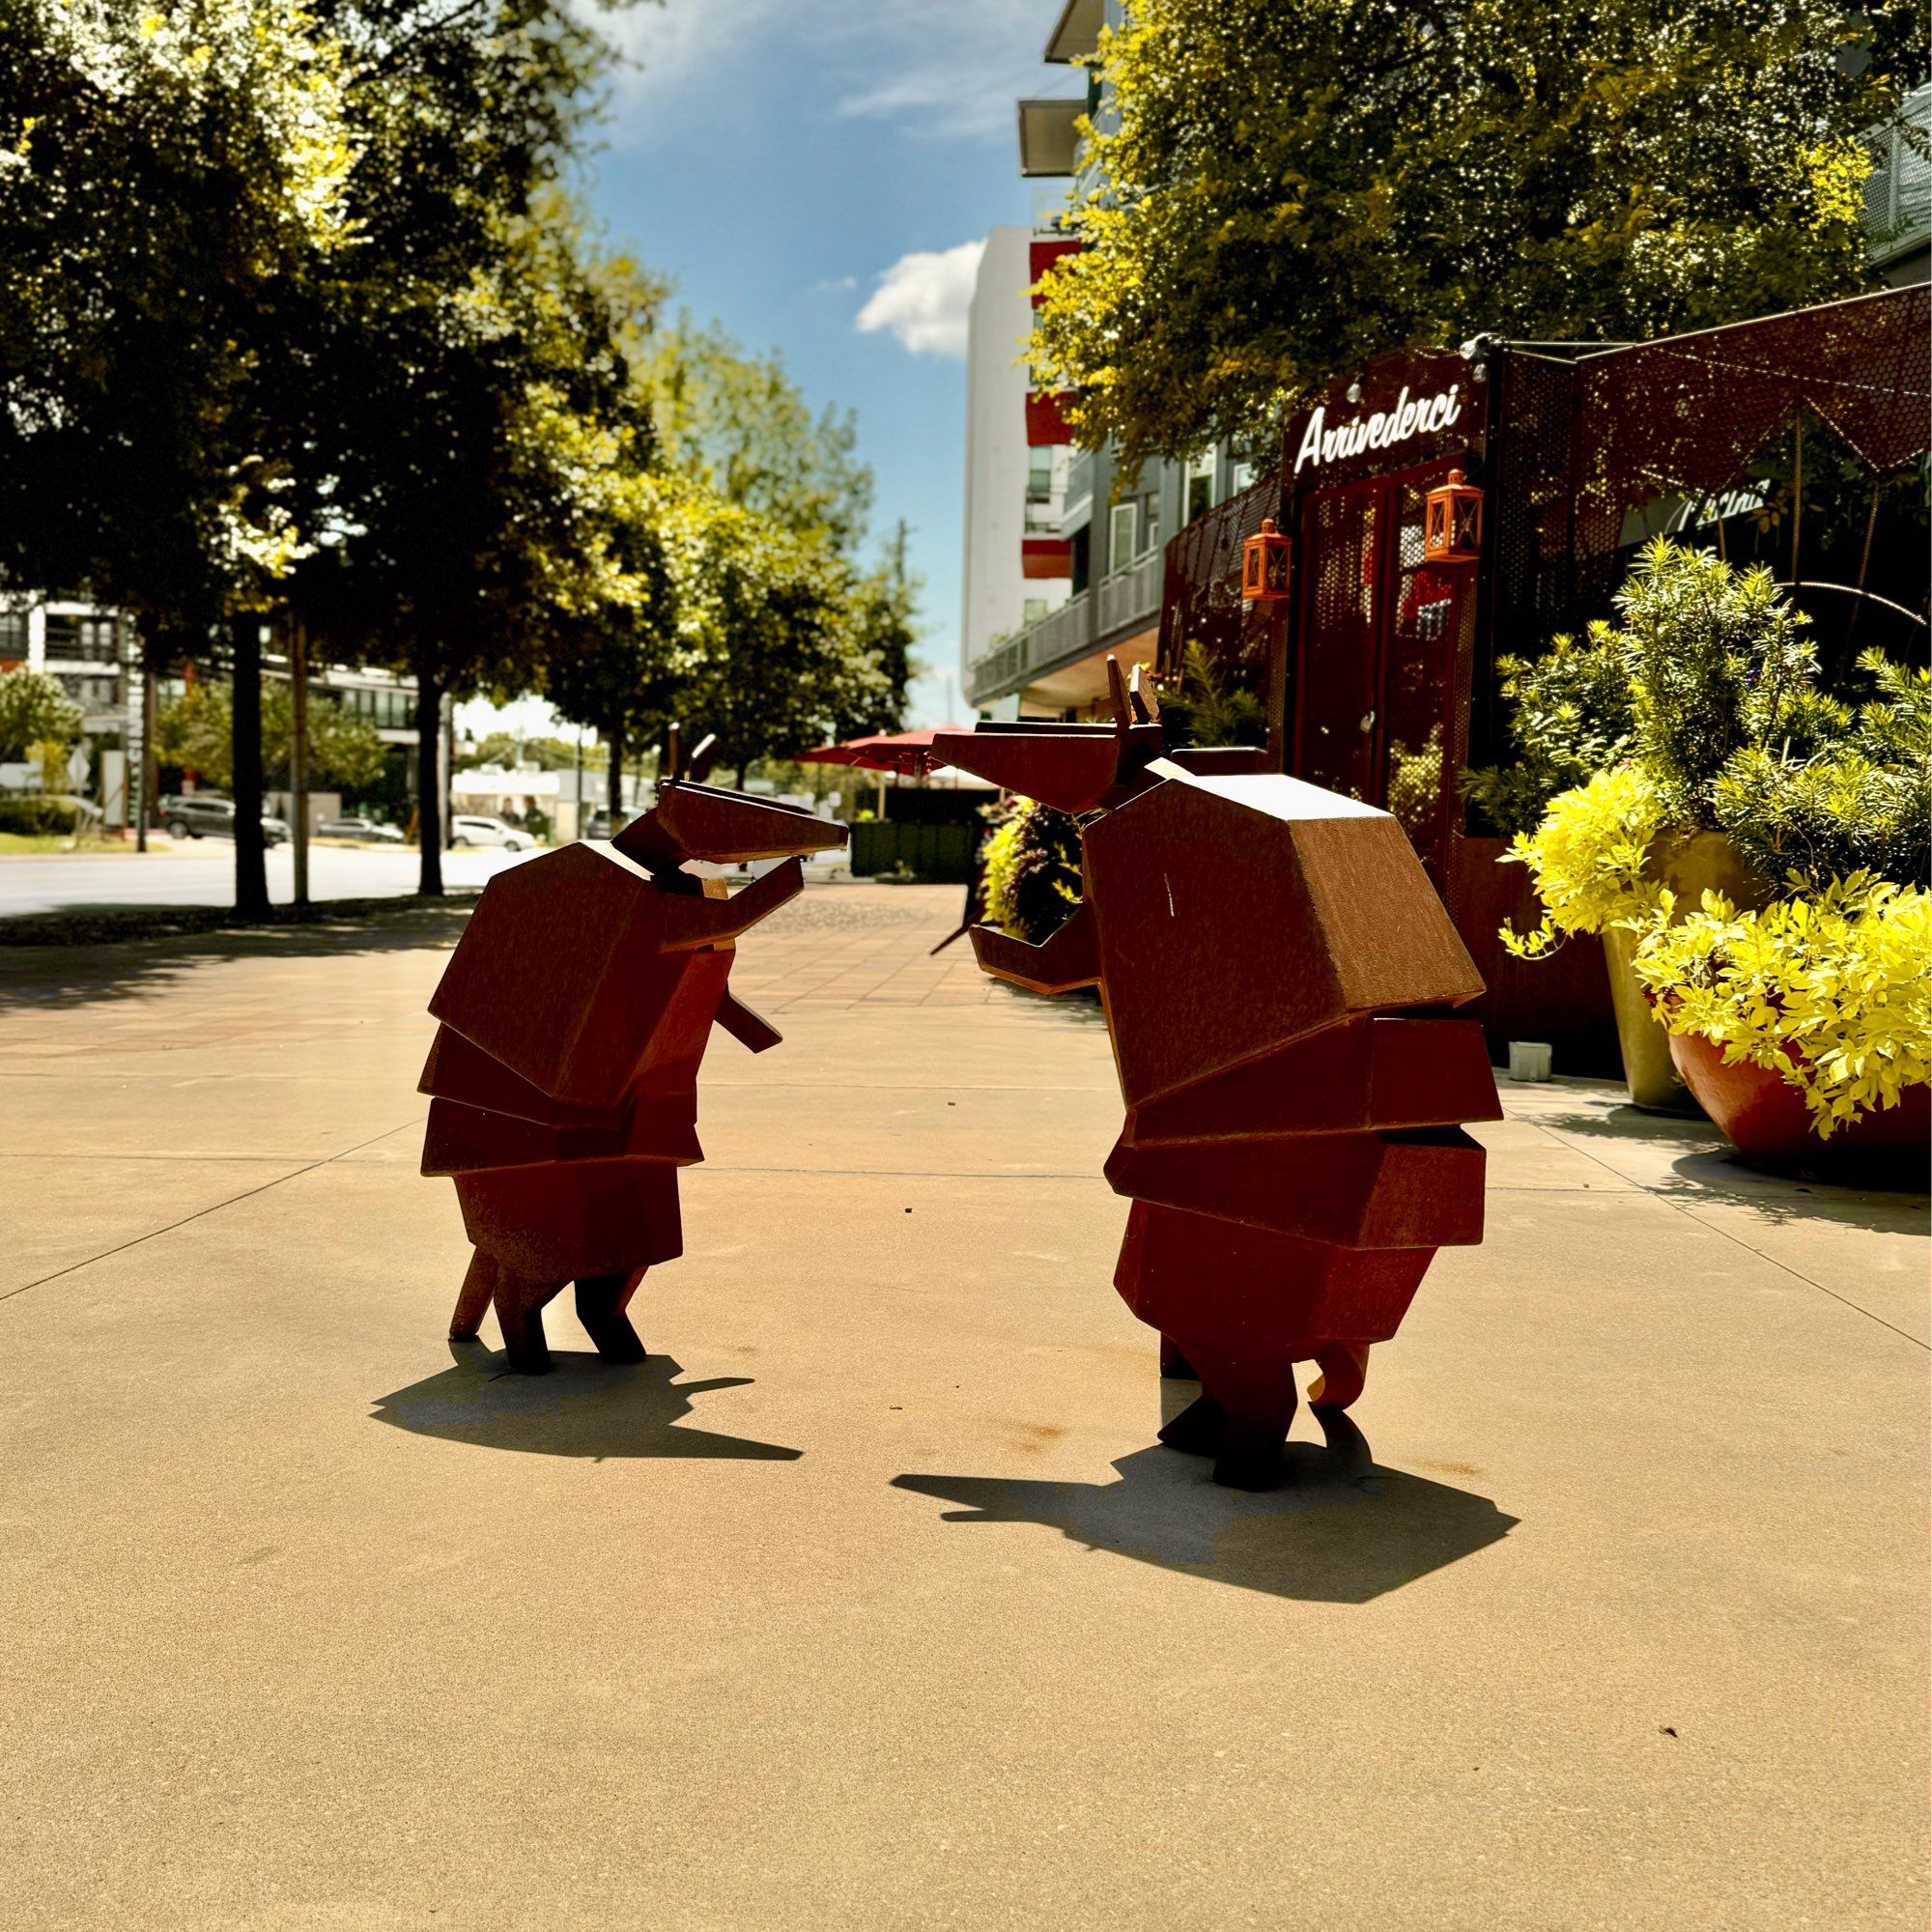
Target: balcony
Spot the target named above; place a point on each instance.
(1096, 620)
(1132, 595)
(1899, 191)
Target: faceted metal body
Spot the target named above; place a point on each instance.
(574, 1013)
(1279, 980)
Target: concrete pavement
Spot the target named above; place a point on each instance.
(868, 1600)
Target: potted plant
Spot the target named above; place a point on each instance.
(1031, 881)
(1710, 761)
(1806, 1023)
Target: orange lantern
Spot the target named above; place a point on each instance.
(1452, 530)
(1264, 565)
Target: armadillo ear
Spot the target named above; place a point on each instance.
(672, 768)
(1117, 691)
(698, 767)
(1136, 698)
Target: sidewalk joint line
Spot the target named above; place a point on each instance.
(1696, 1221)
(213, 1207)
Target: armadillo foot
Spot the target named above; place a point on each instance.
(1251, 1457)
(600, 1307)
(1198, 1430)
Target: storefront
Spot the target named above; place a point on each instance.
(1379, 660)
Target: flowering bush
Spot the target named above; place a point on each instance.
(1832, 991)
(1588, 857)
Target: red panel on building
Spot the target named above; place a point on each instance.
(1043, 255)
(1045, 557)
(1045, 418)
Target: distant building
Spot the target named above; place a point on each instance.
(94, 655)
(1063, 567)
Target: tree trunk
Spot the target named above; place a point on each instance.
(252, 872)
(617, 780)
(429, 782)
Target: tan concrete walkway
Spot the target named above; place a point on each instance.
(869, 1602)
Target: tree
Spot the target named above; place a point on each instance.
(508, 749)
(767, 623)
(737, 425)
(164, 174)
(35, 710)
(196, 730)
(885, 628)
(1290, 190)
(461, 377)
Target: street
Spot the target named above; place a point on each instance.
(202, 873)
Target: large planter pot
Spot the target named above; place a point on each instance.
(1767, 1120)
(1690, 864)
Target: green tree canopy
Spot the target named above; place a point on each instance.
(195, 729)
(738, 425)
(1292, 189)
(35, 710)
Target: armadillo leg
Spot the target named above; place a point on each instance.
(1345, 1367)
(520, 1306)
(1258, 1394)
(601, 1299)
(1175, 1367)
(473, 1302)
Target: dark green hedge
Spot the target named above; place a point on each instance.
(37, 815)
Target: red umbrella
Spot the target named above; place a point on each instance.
(902, 752)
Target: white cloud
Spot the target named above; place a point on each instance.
(922, 298)
(936, 69)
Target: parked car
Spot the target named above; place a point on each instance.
(205, 815)
(472, 829)
(601, 825)
(368, 828)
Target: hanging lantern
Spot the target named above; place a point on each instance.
(1452, 530)
(1264, 565)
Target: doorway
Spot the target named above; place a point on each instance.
(1383, 656)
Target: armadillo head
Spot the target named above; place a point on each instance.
(695, 820)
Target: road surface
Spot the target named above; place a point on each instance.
(202, 873)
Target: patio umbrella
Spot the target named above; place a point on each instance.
(901, 751)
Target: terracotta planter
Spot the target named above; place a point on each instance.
(1767, 1120)
(1690, 864)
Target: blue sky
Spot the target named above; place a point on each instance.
(785, 163)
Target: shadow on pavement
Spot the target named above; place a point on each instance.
(584, 1406)
(1339, 1532)
(1876, 1189)
(143, 959)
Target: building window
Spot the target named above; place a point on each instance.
(1033, 611)
(12, 634)
(1123, 529)
(1200, 486)
(63, 640)
(1039, 476)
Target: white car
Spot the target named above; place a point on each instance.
(469, 829)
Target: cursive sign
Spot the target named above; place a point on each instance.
(1381, 431)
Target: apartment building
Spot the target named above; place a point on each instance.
(1063, 564)
(94, 655)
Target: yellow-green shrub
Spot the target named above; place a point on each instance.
(1032, 876)
(1587, 858)
(1831, 991)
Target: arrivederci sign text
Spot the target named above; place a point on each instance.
(1383, 429)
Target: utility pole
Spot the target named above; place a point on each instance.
(298, 755)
